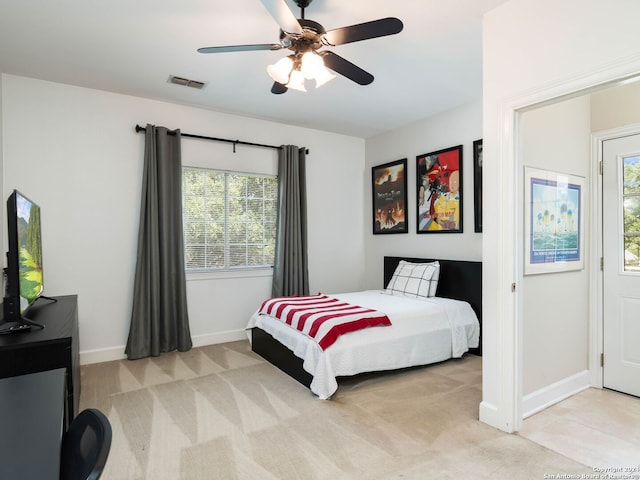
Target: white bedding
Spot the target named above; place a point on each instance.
(423, 331)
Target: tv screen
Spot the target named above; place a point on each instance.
(24, 257)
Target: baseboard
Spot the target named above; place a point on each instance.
(488, 413)
(219, 337)
(117, 353)
(556, 392)
(102, 355)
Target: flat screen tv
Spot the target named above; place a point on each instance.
(23, 275)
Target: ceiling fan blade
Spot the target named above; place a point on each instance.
(283, 16)
(278, 88)
(364, 31)
(346, 68)
(241, 48)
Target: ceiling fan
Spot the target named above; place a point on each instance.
(305, 38)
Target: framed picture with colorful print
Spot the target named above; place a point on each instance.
(389, 191)
(477, 186)
(439, 191)
(554, 221)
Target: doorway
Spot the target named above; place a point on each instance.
(558, 370)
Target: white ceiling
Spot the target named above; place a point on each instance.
(133, 46)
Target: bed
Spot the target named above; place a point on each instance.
(453, 329)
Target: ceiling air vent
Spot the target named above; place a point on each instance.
(186, 82)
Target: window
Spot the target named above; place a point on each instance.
(229, 219)
(631, 212)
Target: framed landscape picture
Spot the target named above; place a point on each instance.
(439, 191)
(389, 192)
(554, 207)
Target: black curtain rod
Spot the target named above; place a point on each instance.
(202, 137)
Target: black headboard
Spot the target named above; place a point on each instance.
(459, 279)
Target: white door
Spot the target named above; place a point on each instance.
(621, 249)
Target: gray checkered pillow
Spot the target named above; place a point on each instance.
(416, 280)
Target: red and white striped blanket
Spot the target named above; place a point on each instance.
(321, 317)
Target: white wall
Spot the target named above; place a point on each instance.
(534, 51)
(75, 153)
(460, 126)
(555, 315)
(615, 107)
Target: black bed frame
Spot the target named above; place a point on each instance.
(459, 279)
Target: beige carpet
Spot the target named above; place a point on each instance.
(221, 412)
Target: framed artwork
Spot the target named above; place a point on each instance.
(389, 189)
(554, 224)
(477, 186)
(439, 191)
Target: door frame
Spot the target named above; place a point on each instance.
(596, 320)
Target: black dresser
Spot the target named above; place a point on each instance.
(55, 346)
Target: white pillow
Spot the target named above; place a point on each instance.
(416, 280)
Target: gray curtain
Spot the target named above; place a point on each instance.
(159, 319)
(290, 270)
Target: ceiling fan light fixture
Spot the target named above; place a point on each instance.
(311, 63)
(292, 71)
(281, 70)
(296, 81)
(323, 76)
(313, 68)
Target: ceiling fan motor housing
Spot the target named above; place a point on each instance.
(311, 38)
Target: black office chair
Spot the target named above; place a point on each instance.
(85, 446)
